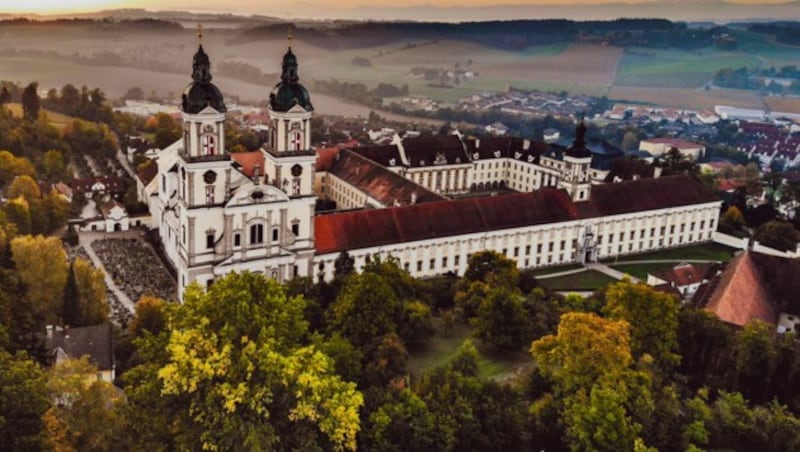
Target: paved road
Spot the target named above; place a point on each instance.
(564, 273)
(86, 239)
(125, 165)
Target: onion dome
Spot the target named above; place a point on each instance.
(289, 92)
(201, 93)
(578, 148)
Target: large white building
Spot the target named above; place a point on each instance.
(416, 199)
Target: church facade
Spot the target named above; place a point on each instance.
(218, 212)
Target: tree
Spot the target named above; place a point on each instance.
(12, 166)
(150, 317)
(83, 416)
(23, 401)
(30, 102)
(25, 187)
(502, 320)
(5, 96)
(92, 289)
(704, 342)
(134, 93)
(18, 213)
(755, 359)
(402, 423)
(630, 141)
(365, 309)
(732, 220)
(604, 401)
(42, 266)
(72, 300)
(234, 373)
(780, 235)
(53, 167)
(653, 317)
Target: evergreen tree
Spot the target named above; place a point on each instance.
(30, 101)
(72, 304)
(5, 96)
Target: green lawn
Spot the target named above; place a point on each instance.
(583, 281)
(707, 251)
(677, 68)
(550, 270)
(441, 349)
(641, 270)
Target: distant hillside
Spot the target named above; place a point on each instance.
(56, 120)
(509, 35)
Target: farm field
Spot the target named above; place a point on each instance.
(692, 98)
(784, 104)
(57, 120)
(676, 68)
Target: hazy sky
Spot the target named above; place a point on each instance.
(264, 6)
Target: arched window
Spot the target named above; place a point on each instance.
(295, 141)
(209, 144)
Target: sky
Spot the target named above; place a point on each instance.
(301, 8)
(58, 6)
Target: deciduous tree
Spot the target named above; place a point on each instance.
(23, 400)
(237, 374)
(42, 266)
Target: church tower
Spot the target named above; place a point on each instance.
(575, 178)
(290, 159)
(203, 176)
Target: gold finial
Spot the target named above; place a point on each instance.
(289, 36)
(200, 33)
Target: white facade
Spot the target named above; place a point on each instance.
(546, 245)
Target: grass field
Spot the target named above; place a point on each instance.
(708, 251)
(560, 268)
(583, 281)
(676, 68)
(57, 120)
(441, 349)
(641, 270)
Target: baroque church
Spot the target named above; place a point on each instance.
(417, 200)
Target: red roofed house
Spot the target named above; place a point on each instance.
(686, 278)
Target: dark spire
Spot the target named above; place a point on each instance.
(578, 148)
(289, 68)
(580, 135)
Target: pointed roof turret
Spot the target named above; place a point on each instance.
(201, 93)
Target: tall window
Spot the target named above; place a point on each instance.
(209, 240)
(296, 186)
(209, 194)
(209, 144)
(256, 234)
(295, 141)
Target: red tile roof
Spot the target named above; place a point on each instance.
(367, 228)
(685, 274)
(645, 194)
(147, 171)
(378, 182)
(248, 162)
(741, 295)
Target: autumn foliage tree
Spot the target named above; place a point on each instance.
(235, 372)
